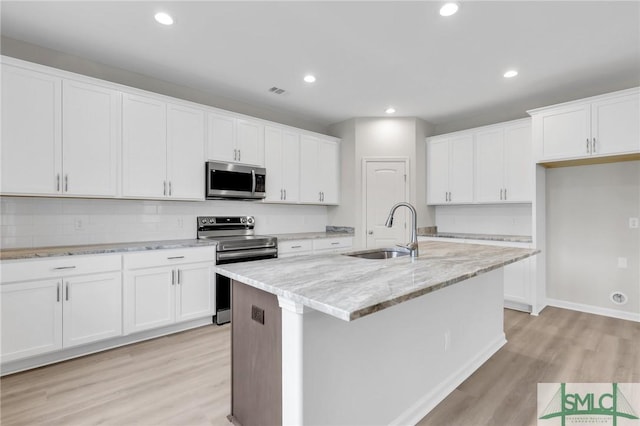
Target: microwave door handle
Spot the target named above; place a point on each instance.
(253, 182)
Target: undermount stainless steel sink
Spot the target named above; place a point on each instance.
(380, 253)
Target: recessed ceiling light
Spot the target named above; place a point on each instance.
(449, 9)
(510, 74)
(390, 110)
(164, 18)
(309, 78)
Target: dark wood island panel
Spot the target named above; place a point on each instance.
(256, 357)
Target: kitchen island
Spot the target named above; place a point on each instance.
(336, 340)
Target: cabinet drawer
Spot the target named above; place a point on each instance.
(295, 246)
(26, 270)
(332, 243)
(152, 258)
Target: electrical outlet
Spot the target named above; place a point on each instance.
(257, 314)
(633, 222)
(180, 222)
(622, 262)
(78, 225)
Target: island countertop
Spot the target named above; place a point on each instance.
(349, 288)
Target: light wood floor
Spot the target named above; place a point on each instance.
(183, 379)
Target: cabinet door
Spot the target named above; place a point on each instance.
(90, 138)
(329, 171)
(221, 137)
(185, 148)
(31, 136)
(291, 166)
(309, 166)
(250, 142)
(518, 164)
(437, 171)
(566, 132)
(273, 157)
(490, 165)
(31, 318)
(616, 125)
(144, 146)
(461, 169)
(149, 299)
(195, 288)
(92, 308)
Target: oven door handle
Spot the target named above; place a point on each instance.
(245, 254)
(222, 247)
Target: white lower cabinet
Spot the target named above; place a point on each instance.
(49, 305)
(167, 286)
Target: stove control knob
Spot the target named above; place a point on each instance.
(203, 221)
(250, 220)
(212, 220)
(243, 219)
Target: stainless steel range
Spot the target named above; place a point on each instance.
(237, 242)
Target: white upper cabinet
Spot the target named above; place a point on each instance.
(503, 166)
(450, 169)
(319, 170)
(144, 147)
(615, 125)
(162, 149)
(282, 152)
(90, 125)
(185, 152)
(599, 126)
(59, 136)
(236, 140)
(31, 132)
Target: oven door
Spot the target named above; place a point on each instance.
(227, 180)
(223, 284)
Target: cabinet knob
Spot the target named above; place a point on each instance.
(370, 232)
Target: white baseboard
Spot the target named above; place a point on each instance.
(428, 402)
(517, 306)
(590, 309)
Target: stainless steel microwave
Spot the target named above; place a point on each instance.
(228, 180)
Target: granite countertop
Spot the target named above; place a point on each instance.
(485, 237)
(349, 288)
(311, 235)
(41, 252)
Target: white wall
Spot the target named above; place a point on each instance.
(38, 222)
(379, 137)
(588, 211)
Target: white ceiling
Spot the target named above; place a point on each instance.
(366, 55)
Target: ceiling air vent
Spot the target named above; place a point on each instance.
(277, 90)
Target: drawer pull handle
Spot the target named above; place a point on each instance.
(64, 267)
(175, 257)
(335, 244)
(296, 246)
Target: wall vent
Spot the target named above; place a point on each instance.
(277, 90)
(618, 298)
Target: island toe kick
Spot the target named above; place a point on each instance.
(388, 368)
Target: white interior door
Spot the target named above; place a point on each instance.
(385, 185)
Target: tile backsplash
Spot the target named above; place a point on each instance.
(505, 219)
(40, 222)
